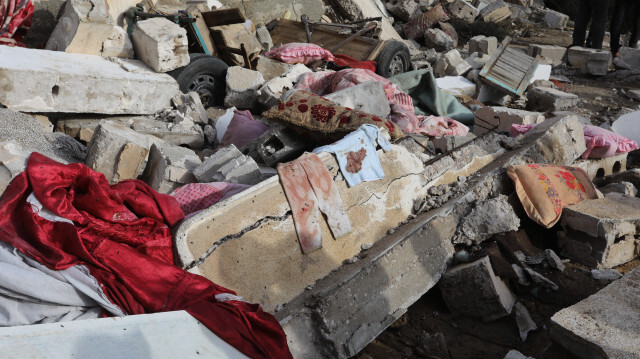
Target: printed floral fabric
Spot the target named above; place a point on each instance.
(15, 20)
(324, 120)
(545, 190)
(402, 110)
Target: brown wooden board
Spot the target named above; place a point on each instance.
(223, 17)
(201, 25)
(509, 69)
(360, 48)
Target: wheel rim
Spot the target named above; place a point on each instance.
(204, 85)
(396, 66)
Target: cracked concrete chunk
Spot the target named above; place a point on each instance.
(161, 44)
(78, 83)
(479, 226)
(605, 325)
(474, 290)
(372, 207)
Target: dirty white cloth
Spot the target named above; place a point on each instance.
(309, 190)
(31, 293)
(356, 154)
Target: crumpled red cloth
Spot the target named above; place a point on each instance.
(402, 114)
(122, 234)
(344, 60)
(15, 20)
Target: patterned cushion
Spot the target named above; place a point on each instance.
(322, 120)
(300, 53)
(545, 190)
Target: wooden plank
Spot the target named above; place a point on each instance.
(201, 25)
(516, 72)
(223, 17)
(360, 48)
(495, 56)
(525, 81)
(514, 62)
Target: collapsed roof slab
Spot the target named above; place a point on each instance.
(334, 301)
(52, 81)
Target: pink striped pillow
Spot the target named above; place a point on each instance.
(300, 53)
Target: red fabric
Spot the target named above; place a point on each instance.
(130, 257)
(15, 20)
(344, 60)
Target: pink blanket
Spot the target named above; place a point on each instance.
(402, 110)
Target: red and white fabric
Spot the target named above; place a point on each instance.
(402, 110)
(132, 259)
(194, 197)
(14, 15)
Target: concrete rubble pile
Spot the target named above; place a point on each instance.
(212, 102)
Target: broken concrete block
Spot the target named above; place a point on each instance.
(92, 38)
(447, 143)
(261, 12)
(271, 92)
(367, 97)
(263, 35)
(546, 99)
(489, 95)
(451, 64)
(77, 12)
(600, 167)
(495, 12)
(601, 233)
(553, 53)
(228, 164)
(185, 133)
(483, 44)
(605, 274)
(477, 60)
(589, 61)
(81, 130)
(478, 227)
(170, 167)
(242, 85)
(270, 68)
(68, 83)
(47, 126)
(279, 144)
(462, 9)
(403, 9)
(473, 290)
(553, 260)
(56, 339)
(161, 44)
(117, 151)
(555, 20)
(524, 321)
(456, 85)
(626, 188)
(630, 57)
(439, 40)
(502, 118)
(605, 325)
(191, 106)
(13, 161)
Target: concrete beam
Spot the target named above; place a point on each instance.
(78, 83)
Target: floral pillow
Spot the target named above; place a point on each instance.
(322, 120)
(300, 53)
(545, 190)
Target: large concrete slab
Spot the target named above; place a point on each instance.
(161, 335)
(249, 242)
(605, 325)
(51, 81)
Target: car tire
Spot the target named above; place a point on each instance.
(205, 75)
(393, 59)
